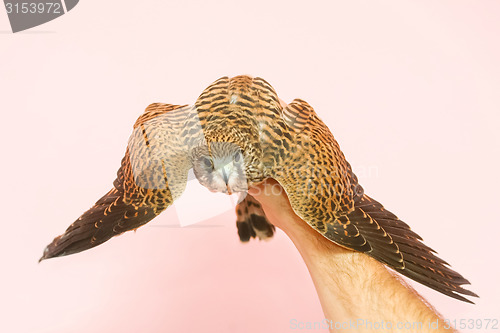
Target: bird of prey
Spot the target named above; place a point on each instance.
(236, 135)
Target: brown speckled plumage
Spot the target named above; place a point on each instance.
(237, 134)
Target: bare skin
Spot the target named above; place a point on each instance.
(351, 286)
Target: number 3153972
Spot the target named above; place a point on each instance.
(33, 8)
(491, 324)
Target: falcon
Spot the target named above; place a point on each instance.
(236, 135)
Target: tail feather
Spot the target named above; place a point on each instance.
(110, 216)
(252, 221)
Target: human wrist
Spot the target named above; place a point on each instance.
(309, 242)
(345, 279)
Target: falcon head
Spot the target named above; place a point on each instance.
(220, 167)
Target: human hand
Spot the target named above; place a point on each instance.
(279, 212)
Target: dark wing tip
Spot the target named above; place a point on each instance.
(421, 263)
(51, 250)
(109, 217)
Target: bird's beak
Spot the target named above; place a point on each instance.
(225, 175)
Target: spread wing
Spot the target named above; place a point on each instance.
(152, 175)
(322, 189)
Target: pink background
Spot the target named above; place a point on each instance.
(409, 89)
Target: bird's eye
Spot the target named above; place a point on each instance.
(207, 162)
(237, 157)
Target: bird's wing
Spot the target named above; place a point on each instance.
(152, 175)
(308, 163)
(325, 193)
(158, 154)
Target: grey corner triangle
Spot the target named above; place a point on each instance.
(70, 4)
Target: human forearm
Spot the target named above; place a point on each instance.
(352, 287)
